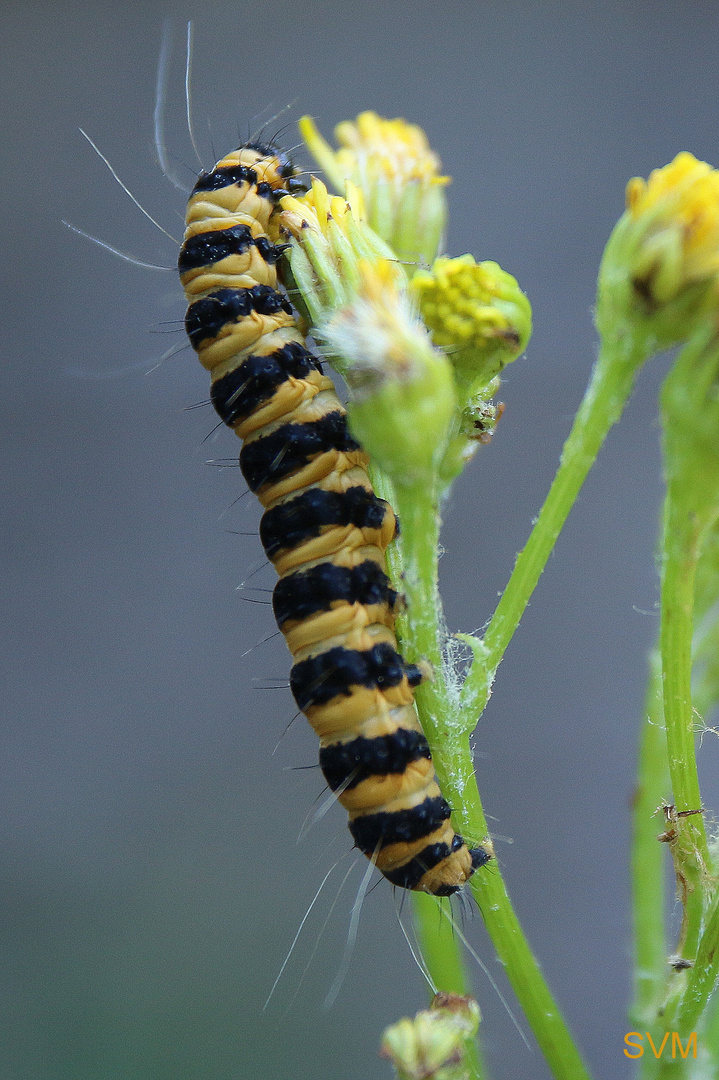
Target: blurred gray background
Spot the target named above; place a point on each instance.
(152, 880)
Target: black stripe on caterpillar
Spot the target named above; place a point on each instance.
(323, 527)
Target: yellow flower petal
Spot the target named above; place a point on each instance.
(682, 196)
(391, 163)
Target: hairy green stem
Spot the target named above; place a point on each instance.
(419, 541)
(525, 976)
(685, 1013)
(437, 705)
(442, 953)
(703, 977)
(683, 532)
(613, 377)
(441, 948)
(709, 1035)
(418, 513)
(686, 523)
(447, 719)
(648, 881)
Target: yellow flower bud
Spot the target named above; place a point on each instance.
(663, 253)
(329, 238)
(393, 165)
(679, 207)
(477, 313)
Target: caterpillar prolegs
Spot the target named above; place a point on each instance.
(323, 527)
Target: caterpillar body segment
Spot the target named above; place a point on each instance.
(323, 527)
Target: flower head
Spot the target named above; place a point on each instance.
(329, 237)
(432, 1045)
(477, 312)
(680, 204)
(403, 405)
(393, 165)
(372, 146)
(664, 251)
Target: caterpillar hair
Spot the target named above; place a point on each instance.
(323, 527)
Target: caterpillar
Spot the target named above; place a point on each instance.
(323, 527)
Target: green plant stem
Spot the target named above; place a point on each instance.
(685, 1011)
(522, 970)
(442, 954)
(420, 537)
(448, 721)
(683, 533)
(440, 946)
(419, 541)
(709, 1035)
(702, 978)
(648, 881)
(613, 377)
(686, 523)
(437, 705)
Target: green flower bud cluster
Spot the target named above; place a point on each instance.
(479, 316)
(432, 1046)
(421, 361)
(477, 312)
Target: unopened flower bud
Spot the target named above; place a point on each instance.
(477, 313)
(329, 238)
(393, 165)
(403, 403)
(432, 1045)
(663, 254)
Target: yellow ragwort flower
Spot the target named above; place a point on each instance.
(662, 258)
(330, 237)
(392, 164)
(317, 207)
(372, 146)
(684, 196)
(477, 312)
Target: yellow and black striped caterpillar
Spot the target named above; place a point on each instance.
(323, 527)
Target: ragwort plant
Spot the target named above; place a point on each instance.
(421, 341)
